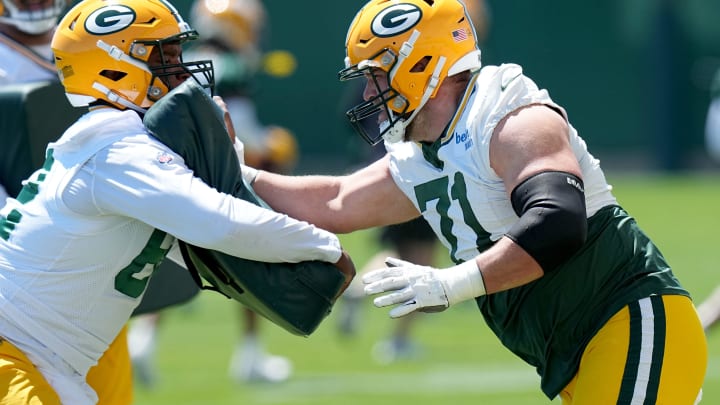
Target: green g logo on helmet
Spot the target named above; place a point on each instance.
(110, 19)
(396, 19)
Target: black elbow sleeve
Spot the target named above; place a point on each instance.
(553, 221)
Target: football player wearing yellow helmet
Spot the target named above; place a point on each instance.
(560, 272)
(125, 54)
(80, 242)
(26, 30)
(234, 24)
(413, 241)
(398, 43)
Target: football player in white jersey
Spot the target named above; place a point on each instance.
(26, 30)
(79, 243)
(560, 272)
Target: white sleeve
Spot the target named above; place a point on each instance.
(149, 182)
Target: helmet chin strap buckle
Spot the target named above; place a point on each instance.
(115, 98)
(397, 132)
(118, 54)
(393, 134)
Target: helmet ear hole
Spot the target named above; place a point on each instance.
(420, 65)
(113, 75)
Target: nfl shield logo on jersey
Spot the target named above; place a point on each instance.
(164, 158)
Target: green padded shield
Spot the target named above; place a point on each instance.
(31, 116)
(295, 296)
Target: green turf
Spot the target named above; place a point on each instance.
(460, 361)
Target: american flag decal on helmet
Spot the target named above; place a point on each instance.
(460, 35)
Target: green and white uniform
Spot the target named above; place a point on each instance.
(80, 242)
(547, 322)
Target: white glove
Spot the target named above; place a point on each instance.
(422, 288)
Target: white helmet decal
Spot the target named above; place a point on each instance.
(396, 19)
(107, 20)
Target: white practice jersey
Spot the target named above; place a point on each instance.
(79, 243)
(20, 64)
(460, 195)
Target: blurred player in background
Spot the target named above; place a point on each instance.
(413, 241)
(560, 272)
(712, 122)
(709, 309)
(230, 36)
(26, 31)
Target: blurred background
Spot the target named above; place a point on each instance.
(634, 75)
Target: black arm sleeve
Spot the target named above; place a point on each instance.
(553, 221)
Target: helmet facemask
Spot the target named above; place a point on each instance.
(363, 117)
(391, 100)
(201, 71)
(418, 43)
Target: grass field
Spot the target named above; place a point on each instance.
(460, 362)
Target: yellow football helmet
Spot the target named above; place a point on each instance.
(393, 37)
(102, 48)
(31, 20)
(276, 151)
(236, 24)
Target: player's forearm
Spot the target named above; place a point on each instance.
(308, 198)
(506, 265)
(341, 204)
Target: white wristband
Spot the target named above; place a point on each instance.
(462, 282)
(239, 150)
(249, 174)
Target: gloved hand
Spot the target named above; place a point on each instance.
(422, 288)
(413, 287)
